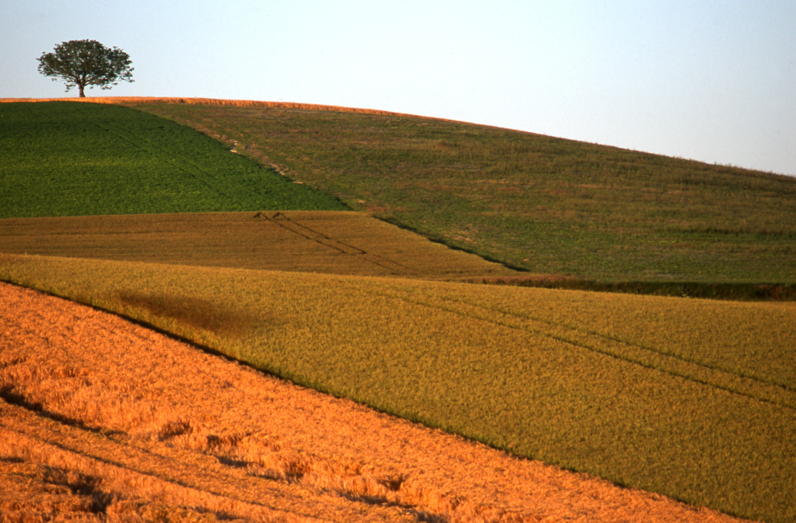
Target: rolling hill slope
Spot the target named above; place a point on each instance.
(689, 398)
(694, 399)
(534, 202)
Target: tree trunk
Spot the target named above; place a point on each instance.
(82, 94)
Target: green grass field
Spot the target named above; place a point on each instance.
(689, 398)
(85, 159)
(543, 204)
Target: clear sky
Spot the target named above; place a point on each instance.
(701, 79)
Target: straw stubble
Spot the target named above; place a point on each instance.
(105, 419)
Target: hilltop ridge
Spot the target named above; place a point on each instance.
(531, 202)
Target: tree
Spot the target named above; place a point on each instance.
(84, 63)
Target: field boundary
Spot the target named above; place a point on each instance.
(694, 290)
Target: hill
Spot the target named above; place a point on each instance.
(602, 217)
(694, 399)
(689, 398)
(534, 202)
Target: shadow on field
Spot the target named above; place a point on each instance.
(192, 312)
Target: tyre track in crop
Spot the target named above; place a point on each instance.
(102, 420)
(295, 227)
(647, 357)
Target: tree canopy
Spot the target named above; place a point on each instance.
(85, 63)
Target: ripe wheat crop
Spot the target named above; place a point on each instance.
(690, 398)
(104, 420)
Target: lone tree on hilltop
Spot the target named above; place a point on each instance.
(84, 63)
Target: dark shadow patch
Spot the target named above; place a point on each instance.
(230, 462)
(194, 312)
(174, 429)
(81, 485)
(677, 289)
(12, 397)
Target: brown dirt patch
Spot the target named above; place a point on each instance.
(101, 419)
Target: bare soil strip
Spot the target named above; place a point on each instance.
(104, 420)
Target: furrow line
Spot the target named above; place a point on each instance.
(621, 350)
(345, 248)
(124, 468)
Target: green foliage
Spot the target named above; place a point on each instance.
(534, 202)
(74, 159)
(690, 398)
(85, 63)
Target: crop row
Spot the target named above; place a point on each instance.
(308, 241)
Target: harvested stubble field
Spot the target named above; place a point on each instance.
(104, 420)
(689, 398)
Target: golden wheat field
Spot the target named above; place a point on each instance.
(104, 420)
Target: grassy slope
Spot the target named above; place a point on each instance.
(86, 159)
(544, 204)
(689, 398)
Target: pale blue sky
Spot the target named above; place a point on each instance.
(708, 80)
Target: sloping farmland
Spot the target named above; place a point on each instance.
(301, 241)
